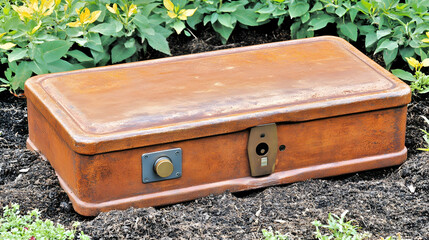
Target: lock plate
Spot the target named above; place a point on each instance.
(262, 149)
(149, 160)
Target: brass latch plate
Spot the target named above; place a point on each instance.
(162, 165)
(262, 149)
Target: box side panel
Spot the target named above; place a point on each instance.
(44, 139)
(318, 148)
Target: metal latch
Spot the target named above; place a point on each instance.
(162, 165)
(262, 149)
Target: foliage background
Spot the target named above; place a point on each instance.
(45, 36)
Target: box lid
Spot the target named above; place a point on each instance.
(158, 101)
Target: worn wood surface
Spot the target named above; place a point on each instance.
(336, 112)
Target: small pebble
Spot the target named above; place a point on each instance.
(412, 188)
(65, 206)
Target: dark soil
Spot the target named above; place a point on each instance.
(384, 202)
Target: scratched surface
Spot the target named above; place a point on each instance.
(210, 87)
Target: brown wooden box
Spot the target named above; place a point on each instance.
(335, 112)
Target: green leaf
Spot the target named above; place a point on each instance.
(298, 8)
(268, 9)
(214, 17)
(386, 44)
(406, 52)
(54, 50)
(246, 17)
(4, 81)
(100, 58)
(404, 75)
(17, 54)
(120, 53)
(340, 11)
(178, 26)
(366, 29)
(148, 8)
(321, 22)
(108, 29)
(38, 68)
(94, 42)
(80, 56)
(279, 12)
(414, 44)
(226, 20)
(370, 39)
(143, 25)
(364, 6)
(12, 23)
(230, 6)
(62, 66)
(305, 17)
(158, 42)
(73, 32)
(206, 19)
(389, 56)
(350, 30)
(130, 43)
(13, 67)
(225, 32)
(263, 17)
(21, 75)
(80, 41)
(421, 53)
(353, 13)
(383, 32)
(316, 7)
(195, 19)
(294, 29)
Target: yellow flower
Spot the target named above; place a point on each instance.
(176, 12)
(414, 63)
(425, 62)
(85, 17)
(426, 40)
(7, 46)
(36, 28)
(23, 12)
(113, 9)
(132, 10)
(32, 8)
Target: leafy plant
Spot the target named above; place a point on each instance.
(338, 228)
(224, 16)
(30, 226)
(45, 36)
(419, 80)
(397, 237)
(271, 9)
(395, 27)
(269, 235)
(426, 136)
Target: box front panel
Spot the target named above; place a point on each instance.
(219, 159)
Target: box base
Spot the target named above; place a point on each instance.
(234, 185)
